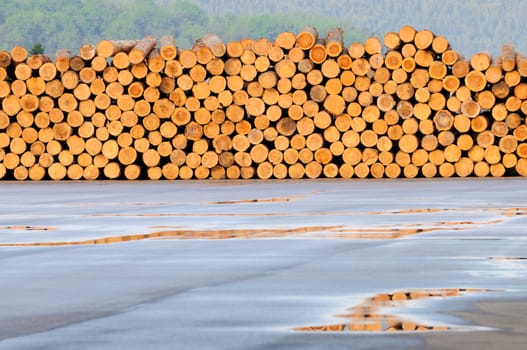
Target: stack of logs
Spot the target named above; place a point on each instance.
(301, 106)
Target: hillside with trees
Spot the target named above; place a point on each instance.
(471, 26)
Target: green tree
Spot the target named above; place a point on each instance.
(36, 49)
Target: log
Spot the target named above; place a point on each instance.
(475, 81)
(407, 34)
(392, 40)
(508, 144)
(18, 54)
(62, 60)
(156, 63)
(318, 53)
(443, 120)
(57, 171)
(11, 105)
(99, 63)
(435, 86)
(285, 68)
(356, 50)
(408, 50)
(480, 61)
(234, 49)
(88, 75)
(460, 69)
(423, 58)
(509, 161)
(470, 108)
(508, 57)
(520, 133)
(334, 42)
(512, 78)
(477, 153)
(275, 53)
(440, 45)
(408, 64)
(248, 56)
(437, 101)
(214, 43)
(437, 70)
(36, 86)
(334, 104)
(449, 57)
(307, 38)
(5, 89)
(5, 59)
(521, 151)
(493, 74)
(372, 46)
(261, 46)
(500, 90)
(423, 39)
(23, 71)
(410, 126)
(141, 49)
(408, 143)
(167, 47)
(492, 154)
(204, 55)
(109, 48)
(87, 52)
(513, 120)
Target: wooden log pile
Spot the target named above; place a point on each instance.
(301, 106)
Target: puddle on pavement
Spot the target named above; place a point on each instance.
(400, 231)
(314, 232)
(515, 211)
(123, 204)
(187, 234)
(266, 200)
(507, 258)
(27, 228)
(507, 212)
(241, 201)
(374, 314)
(381, 234)
(409, 211)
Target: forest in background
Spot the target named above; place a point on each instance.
(471, 26)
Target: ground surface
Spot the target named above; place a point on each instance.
(264, 264)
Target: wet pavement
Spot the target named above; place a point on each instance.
(340, 264)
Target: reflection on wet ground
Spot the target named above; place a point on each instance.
(515, 211)
(374, 314)
(508, 212)
(186, 234)
(263, 200)
(318, 232)
(410, 211)
(409, 222)
(27, 228)
(400, 231)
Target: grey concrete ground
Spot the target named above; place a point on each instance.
(134, 265)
